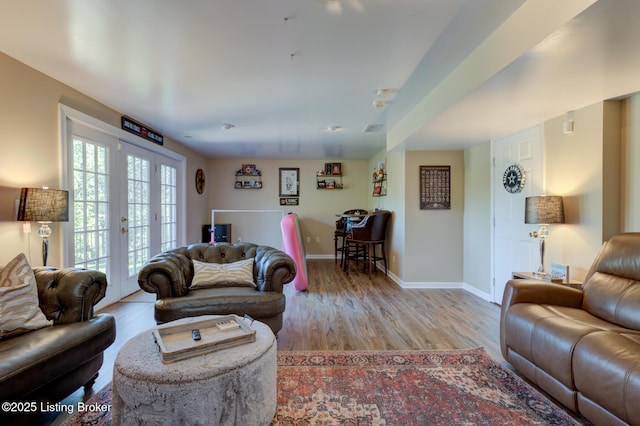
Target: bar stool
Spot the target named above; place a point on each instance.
(370, 233)
(343, 226)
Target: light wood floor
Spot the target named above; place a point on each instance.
(345, 312)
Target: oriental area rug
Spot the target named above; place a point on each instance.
(453, 387)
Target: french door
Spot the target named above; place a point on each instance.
(124, 206)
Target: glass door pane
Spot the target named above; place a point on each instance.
(91, 204)
(137, 225)
(168, 207)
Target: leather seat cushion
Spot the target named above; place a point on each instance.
(43, 355)
(547, 334)
(607, 371)
(221, 301)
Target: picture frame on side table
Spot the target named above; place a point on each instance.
(289, 182)
(559, 273)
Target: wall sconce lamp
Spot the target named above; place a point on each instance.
(543, 210)
(43, 205)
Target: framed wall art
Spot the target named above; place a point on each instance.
(435, 187)
(289, 182)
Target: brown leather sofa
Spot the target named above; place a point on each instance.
(170, 275)
(46, 365)
(582, 346)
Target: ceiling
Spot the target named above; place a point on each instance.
(284, 72)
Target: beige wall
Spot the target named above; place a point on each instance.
(318, 207)
(477, 217)
(425, 246)
(583, 167)
(30, 151)
(395, 202)
(630, 151)
(434, 238)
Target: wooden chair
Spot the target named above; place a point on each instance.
(370, 233)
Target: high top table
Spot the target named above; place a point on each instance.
(233, 386)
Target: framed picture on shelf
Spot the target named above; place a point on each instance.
(435, 187)
(249, 169)
(328, 167)
(336, 168)
(289, 182)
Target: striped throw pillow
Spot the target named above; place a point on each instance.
(19, 310)
(238, 273)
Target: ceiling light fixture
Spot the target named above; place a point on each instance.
(380, 103)
(333, 128)
(383, 93)
(227, 126)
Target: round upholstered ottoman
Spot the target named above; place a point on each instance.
(233, 386)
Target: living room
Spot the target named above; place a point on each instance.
(593, 167)
(463, 256)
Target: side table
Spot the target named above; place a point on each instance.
(531, 276)
(233, 386)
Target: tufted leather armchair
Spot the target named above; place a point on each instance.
(169, 276)
(48, 364)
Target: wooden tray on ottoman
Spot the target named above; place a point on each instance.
(176, 342)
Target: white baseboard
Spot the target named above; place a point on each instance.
(476, 292)
(432, 284)
(320, 256)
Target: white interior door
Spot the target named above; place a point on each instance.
(514, 249)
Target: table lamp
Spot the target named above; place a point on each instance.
(43, 205)
(543, 210)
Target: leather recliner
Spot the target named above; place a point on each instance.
(169, 275)
(48, 364)
(582, 346)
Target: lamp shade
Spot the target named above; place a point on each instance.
(43, 205)
(544, 209)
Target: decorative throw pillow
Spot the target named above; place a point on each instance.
(19, 310)
(238, 273)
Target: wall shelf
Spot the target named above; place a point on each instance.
(380, 185)
(329, 182)
(248, 177)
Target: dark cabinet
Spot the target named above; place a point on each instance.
(221, 231)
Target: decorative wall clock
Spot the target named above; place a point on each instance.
(513, 178)
(200, 181)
